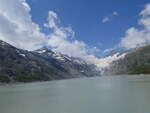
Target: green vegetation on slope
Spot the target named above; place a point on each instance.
(135, 62)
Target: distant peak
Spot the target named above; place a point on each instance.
(43, 50)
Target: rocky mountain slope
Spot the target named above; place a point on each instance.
(18, 65)
(136, 61)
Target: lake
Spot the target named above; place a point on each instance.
(107, 94)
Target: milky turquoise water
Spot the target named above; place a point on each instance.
(115, 94)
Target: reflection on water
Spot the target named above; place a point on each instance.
(119, 94)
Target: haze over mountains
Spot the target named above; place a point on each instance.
(17, 65)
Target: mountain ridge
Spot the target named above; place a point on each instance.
(17, 65)
(136, 61)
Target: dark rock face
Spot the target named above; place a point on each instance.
(135, 62)
(18, 65)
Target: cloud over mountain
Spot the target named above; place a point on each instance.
(19, 30)
(135, 37)
(17, 27)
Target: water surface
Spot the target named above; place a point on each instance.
(117, 94)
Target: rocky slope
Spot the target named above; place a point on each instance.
(136, 61)
(18, 65)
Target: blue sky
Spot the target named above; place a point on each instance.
(85, 18)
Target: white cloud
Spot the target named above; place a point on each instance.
(109, 50)
(105, 19)
(115, 13)
(17, 27)
(110, 17)
(60, 41)
(135, 37)
(146, 11)
(52, 19)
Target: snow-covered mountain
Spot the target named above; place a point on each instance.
(59, 56)
(73, 65)
(106, 61)
(40, 65)
(135, 61)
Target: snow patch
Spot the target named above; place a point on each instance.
(22, 55)
(41, 51)
(105, 62)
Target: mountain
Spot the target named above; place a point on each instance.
(107, 60)
(18, 65)
(136, 61)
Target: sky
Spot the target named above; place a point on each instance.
(86, 16)
(78, 28)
